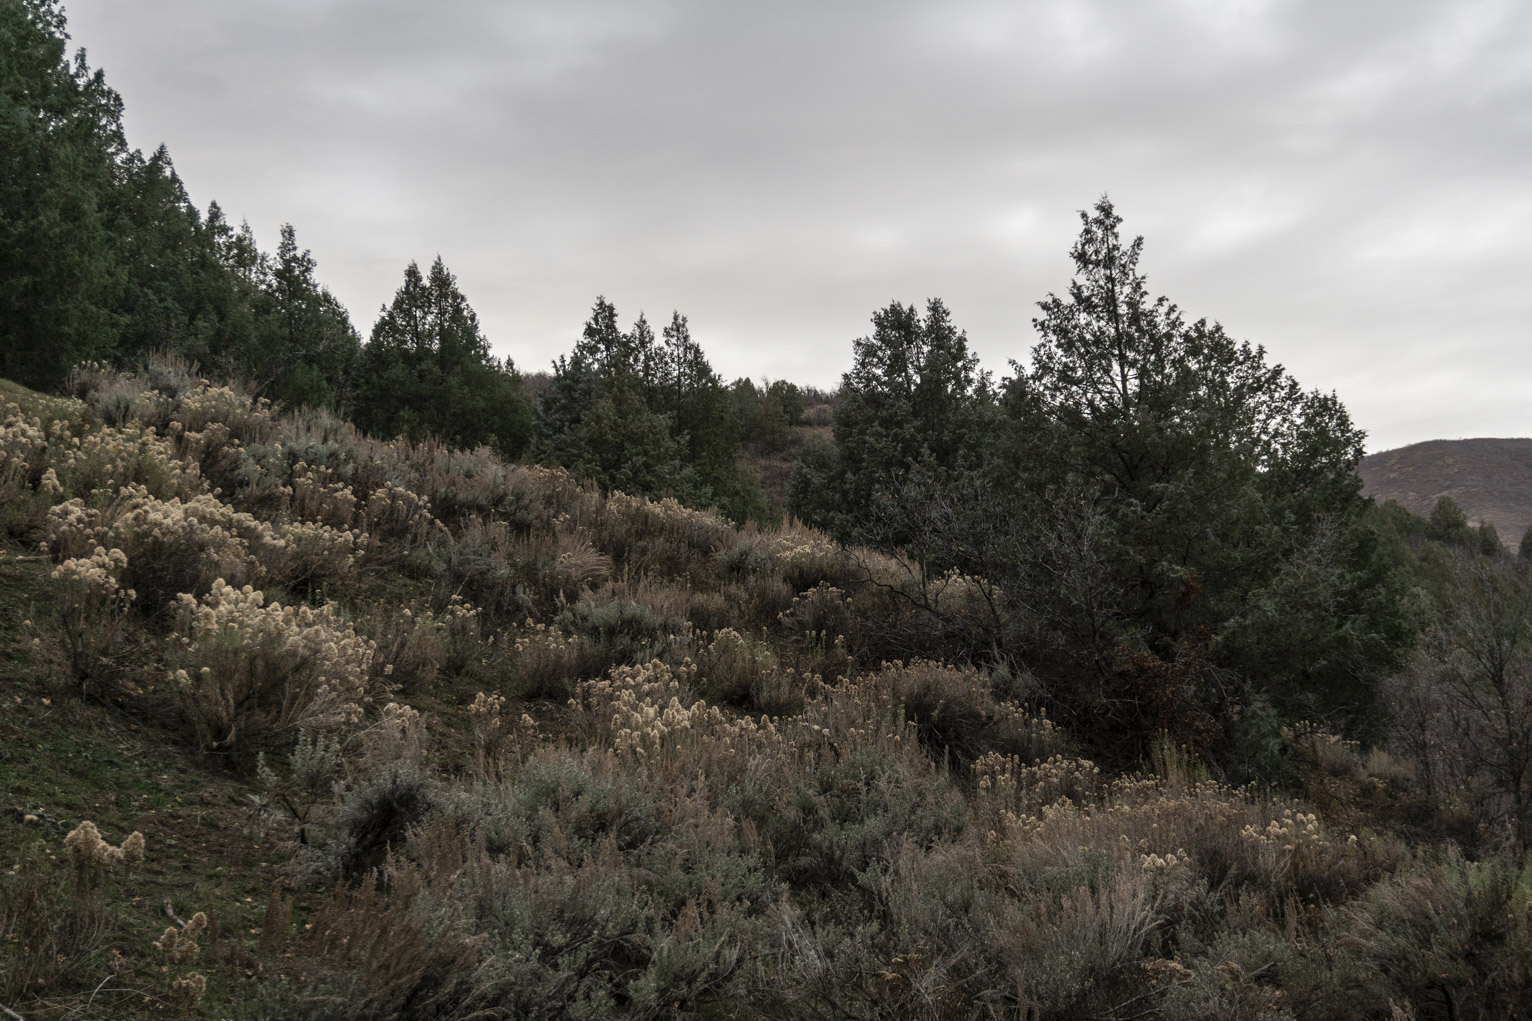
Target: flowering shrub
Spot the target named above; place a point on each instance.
(648, 712)
(93, 580)
(496, 735)
(22, 441)
(310, 555)
(661, 537)
(318, 496)
(249, 674)
(1031, 788)
(546, 658)
(396, 513)
(247, 419)
(806, 557)
(94, 464)
(731, 666)
(171, 547)
(175, 546)
(93, 605)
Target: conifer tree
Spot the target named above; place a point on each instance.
(646, 417)
(1232, 514)
(60, 140)
(914, 404)
(428, 371)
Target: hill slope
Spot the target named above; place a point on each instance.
(1491, 479)
(473, 739)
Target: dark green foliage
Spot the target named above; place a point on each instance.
(1170, 523)
(303, 344)
(177, 293)
(646, 418)
(1194, 441)
(1449, 525)
(428, 371)
(1229, 496)
(914, 401)
(596, 419)
(378, 813)
(60, 143)
(103, 256)
(766, 415)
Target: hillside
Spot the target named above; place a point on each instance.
(1491, 479)
(473, 740)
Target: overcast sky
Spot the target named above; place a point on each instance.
(1346, 183)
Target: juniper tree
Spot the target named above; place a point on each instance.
(429, 370)
(60, 139)
(915, 401)
(1233, 507)
(646, 417)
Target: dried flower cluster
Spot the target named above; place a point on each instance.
(399, 513)
(1294, 831)
(93, 581)
(90, 853)
(22, 440)
(253, 672)
(180, 945)
(649, 720)
(1024, 787)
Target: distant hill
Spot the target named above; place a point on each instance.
(1491, 479)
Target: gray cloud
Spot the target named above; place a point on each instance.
(1342, 182)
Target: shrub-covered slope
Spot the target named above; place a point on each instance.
(1490, 479)
(411, 732)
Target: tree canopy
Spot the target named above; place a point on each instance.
(646, 416)
(60, 143)
(914, 402)
(428, 370)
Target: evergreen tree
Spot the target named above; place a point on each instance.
(767, 414)
(176, 294)
(303, 346)
(1449, 525)
(686, 387)
(102, 255)
(701, 409)
(914, 403)
(1233, 515)
(646, 417)
(60, 139)
(429, 371)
